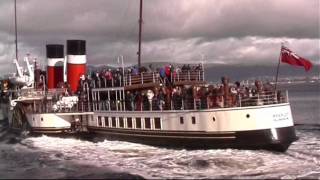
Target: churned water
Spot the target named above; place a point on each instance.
(53, 157)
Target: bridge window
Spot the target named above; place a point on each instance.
(181, 120)
(114, 122)
(193, 120)
(99, 121)
(157, 123)
(121, 123)
(147, 123)
(129, 122)
(106, 121)
(138, 123)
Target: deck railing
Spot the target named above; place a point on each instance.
(266, 98)
(149, 77)
(158, 105)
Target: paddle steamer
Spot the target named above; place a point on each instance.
(147, 106)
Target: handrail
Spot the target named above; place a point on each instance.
(154, 77)
(191, 103)
(174, 104)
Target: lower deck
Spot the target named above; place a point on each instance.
(241, 127)
(277, 139)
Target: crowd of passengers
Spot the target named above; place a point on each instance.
(169, 96)
(200, 97)
(114, 77)
(196, 96)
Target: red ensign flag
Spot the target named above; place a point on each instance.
(292, 58)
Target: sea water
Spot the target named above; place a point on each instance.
(54, 157)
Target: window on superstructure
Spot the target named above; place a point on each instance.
(138, 123)
(193, 120)
(106, 121)
(113, 122)
(121, 123)
(129, 122)
(181, 120)
(147, 123)
(99, 121)
(157, 123)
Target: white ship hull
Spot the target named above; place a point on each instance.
(268, 126)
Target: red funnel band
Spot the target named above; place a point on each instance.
(55, 76)
(74, 73)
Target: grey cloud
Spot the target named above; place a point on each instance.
(166, 19)
(225, 31)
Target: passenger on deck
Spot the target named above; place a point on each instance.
(150, 95)
(177, 98)
(135, 70)
(129, 101)
(143, 69)
(168, 73)
(108, 76)
(269, 92)
(162, 73)
(259, 92)
(145, 101)
(167, 97)
(227, 96)
(161, 99)
(198, 67)
(138, 101)
(219, 98)
(210, 96)
(196, 97)
(203, 98)
(240, 93)
(188, 98)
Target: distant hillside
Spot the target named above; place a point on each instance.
(214, 73)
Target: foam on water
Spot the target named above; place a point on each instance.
(300, 161)
(53, 157)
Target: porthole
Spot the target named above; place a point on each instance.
(248, 116)
(41, 119)
(213, 119)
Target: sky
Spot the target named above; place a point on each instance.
(246, 32)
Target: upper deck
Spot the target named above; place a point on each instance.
(148, 91)
(131, 81)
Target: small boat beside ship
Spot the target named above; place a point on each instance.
(167, 107)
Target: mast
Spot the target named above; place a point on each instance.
(15, 28)
(140, 31)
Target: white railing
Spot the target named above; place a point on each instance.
(266, 98)
(149, 77)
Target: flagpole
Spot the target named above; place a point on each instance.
(275, 86)
(15, 28)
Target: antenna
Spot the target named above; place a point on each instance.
(140, 31)
(15, 28)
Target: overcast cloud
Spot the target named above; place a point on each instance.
(224, 31)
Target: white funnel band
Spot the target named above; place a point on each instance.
(55, 62)
(76, 59)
